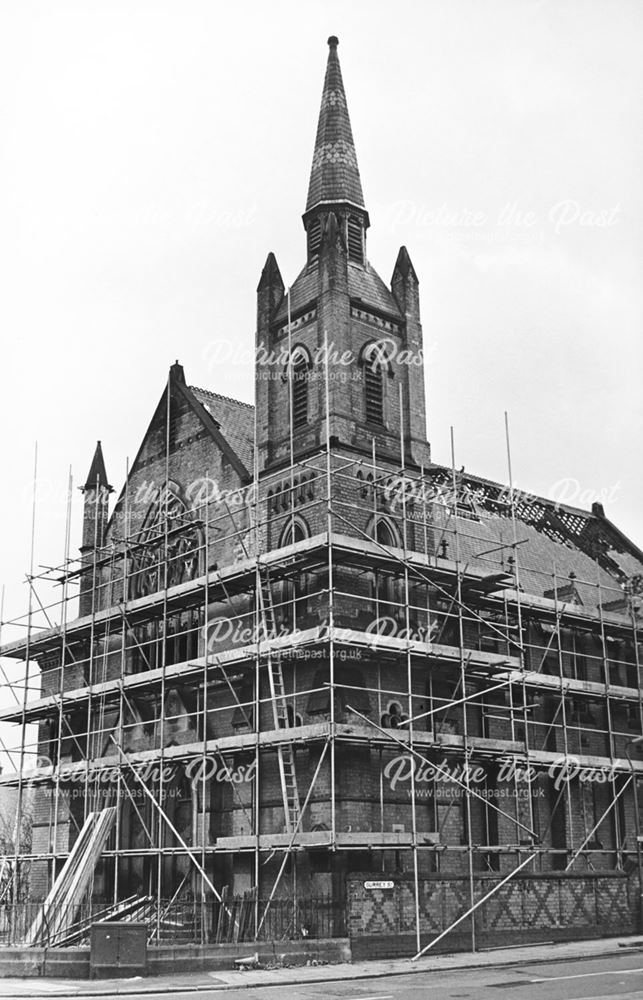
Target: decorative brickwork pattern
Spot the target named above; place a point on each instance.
(585, 905)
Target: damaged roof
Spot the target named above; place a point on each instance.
(235, 420)
(559, 550)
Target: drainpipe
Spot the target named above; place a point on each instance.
(637, 827)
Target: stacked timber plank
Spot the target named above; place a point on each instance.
(61, 905)
(138, 908)
(236, 915)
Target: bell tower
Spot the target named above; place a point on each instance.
(339, 345)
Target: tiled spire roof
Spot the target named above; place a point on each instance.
(97, 474)
(334, 175)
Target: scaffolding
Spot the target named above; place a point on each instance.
(345, 664)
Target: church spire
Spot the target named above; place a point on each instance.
(334, 176)
(97, 476)
(96, 493)
(338, 299)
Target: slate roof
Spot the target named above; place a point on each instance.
(235, 419)
(583, 548)
(334, 175)
(302, 292)
(578, 545)
(364, 285)
(97, 473)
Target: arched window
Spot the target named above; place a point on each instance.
(295, 530)
(384, 533)
(381, 529)
(385, 587)
(169, 549)
(375, 363)
(293, 591)
(374, 395)
(297, 371)
(299, 393)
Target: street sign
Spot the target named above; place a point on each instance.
(379, 885)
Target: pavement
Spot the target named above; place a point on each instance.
(301, 975)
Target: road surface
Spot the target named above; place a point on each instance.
(618, 977)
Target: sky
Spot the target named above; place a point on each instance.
(152, 154)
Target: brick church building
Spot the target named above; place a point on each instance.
(305, 662)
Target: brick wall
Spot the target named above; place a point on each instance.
(529, 908)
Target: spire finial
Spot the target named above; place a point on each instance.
(177, 373)
(334, 176)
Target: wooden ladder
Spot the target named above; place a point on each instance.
(286, 751)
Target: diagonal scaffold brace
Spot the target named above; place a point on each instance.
(163, 815)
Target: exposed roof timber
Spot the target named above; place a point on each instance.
(592, 533)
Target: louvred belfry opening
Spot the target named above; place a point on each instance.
(299, 391)
(355, 239)
(314, 240)
(374, 393)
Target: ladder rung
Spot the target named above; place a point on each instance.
(280, 709)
